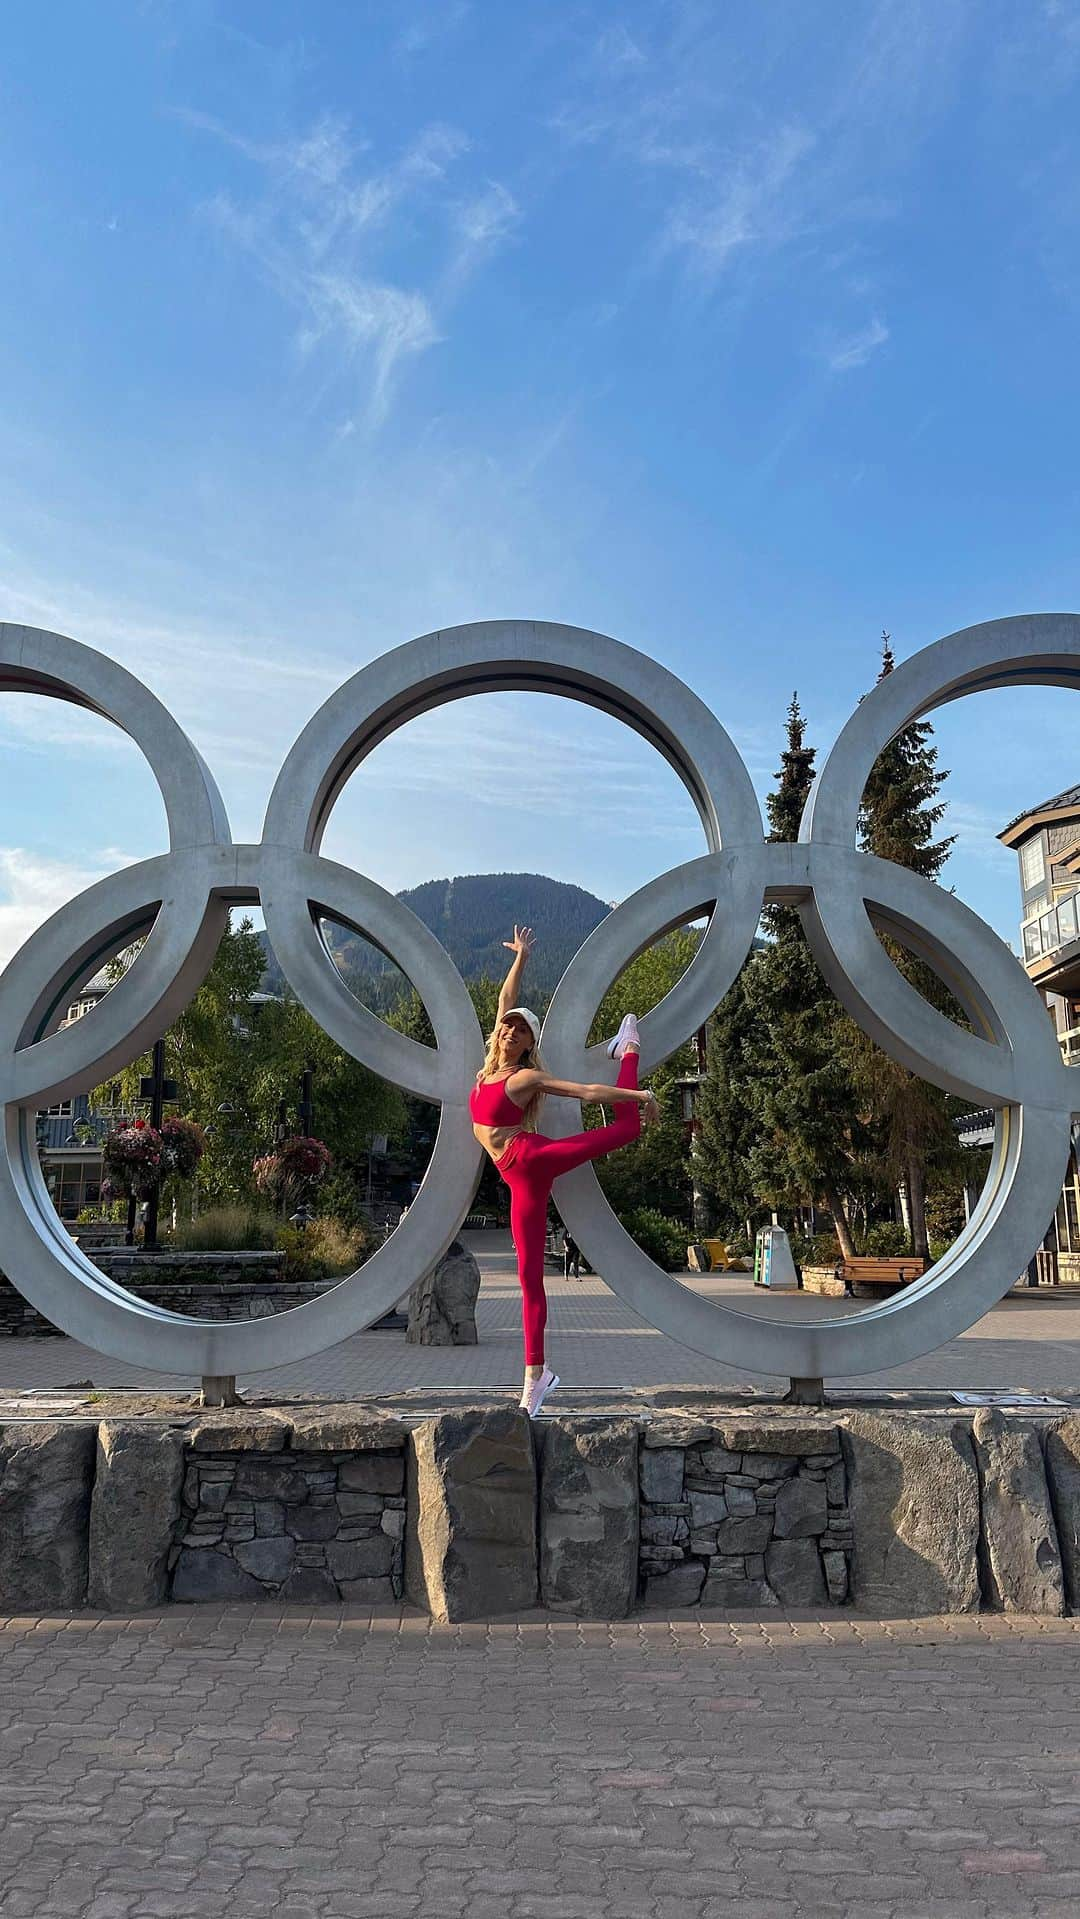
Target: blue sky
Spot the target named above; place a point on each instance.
(738, 333)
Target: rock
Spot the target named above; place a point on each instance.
(269, 1479)
(1063, 1471)
(204, 1573)
(745, 1535)
(269, 1517)
(268, 1559)
(769, 1465)
(677, 1433)
(589, 1517)
(802, 1508)
(717, 1460)
(707, 1509)
(211, 1495)
(794, 1571)
(442, 1305)
(662, 1475)
(360, 1558)
(785, 1437)
(134, 1514)
(393, 1523)
(719, 1590)
(373, 1473)
(834, 1566)
(46, 1476)
(346, 1429)
(659, 1528)
(1019, 1549)
(470, 1538)
(313, 1521)
(740, 1500)
(678, 1588)
(352, 1504)
(913, 1492)
(309, 1586)
(370, 1592)
(243, 1431)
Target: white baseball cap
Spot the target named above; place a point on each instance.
(531, 1021)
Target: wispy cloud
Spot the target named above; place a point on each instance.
(750, 207)
(32, 888)
(857, 348)
(317, 231)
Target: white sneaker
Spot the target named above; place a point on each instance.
(539, 1391)
(627, 1035)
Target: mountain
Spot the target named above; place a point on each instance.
(471, 917)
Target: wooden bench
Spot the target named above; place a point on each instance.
(863, 1272)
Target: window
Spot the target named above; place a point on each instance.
(1048, 932)
(1032, 947)
(62, 1110)
(1032, 863)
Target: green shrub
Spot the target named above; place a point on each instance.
(324, 1250)
(885, 1239)
(663, 1239)
(227, 1229)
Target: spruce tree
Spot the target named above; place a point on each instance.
(805, 1101)
(898, 820)
(727, 1127)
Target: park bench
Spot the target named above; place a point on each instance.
(862, 1272)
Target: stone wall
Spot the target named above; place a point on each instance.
(317, 1519)
(205, 1285)
(743, 1515)
(475, 1512)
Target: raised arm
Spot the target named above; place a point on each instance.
(521, 946)
(529, 1081)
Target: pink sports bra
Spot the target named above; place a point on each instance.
(490, 1105)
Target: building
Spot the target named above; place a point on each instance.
(70, 1136)
(1046, 841)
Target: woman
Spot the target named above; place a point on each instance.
(505, 1105)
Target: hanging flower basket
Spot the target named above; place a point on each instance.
(297, 1164)
(183, 1143)
(132, 1158)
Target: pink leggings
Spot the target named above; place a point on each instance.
(530, 1164)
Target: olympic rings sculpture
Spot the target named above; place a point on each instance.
(1010, 1061)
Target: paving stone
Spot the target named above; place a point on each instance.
(1019, 1545)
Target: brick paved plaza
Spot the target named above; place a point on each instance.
(341, 1766)
(1032, 1340)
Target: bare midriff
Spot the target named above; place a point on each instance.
(496, 1139)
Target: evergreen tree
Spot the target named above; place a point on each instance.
(806, 1105)
(728, 1128)
(912, 1121)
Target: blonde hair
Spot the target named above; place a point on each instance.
(530, 1060)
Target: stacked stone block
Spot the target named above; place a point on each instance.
(743, 1515)
(318, 1519)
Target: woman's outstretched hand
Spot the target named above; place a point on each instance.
(650, 1112)
(523, 941)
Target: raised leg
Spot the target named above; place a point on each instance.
(562, 1155)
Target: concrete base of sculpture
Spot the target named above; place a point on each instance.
(472, 1512)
